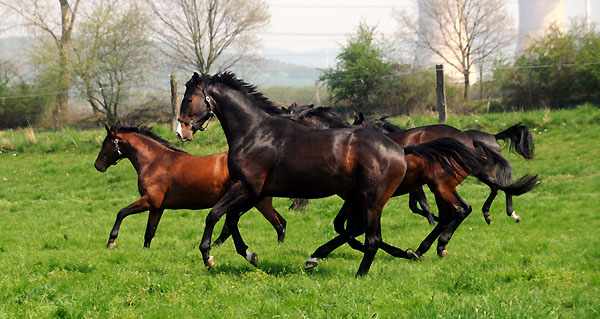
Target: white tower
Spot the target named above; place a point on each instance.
(535, 16)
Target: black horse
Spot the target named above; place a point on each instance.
(273, 156)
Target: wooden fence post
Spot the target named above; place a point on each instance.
(441, 92)
(174, 104)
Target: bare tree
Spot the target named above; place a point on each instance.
(197, 33)
(110, 52)
(461, 32)
(35, 14)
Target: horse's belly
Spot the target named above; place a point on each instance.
(306, 185)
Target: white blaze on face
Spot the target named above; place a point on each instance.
(180, 129)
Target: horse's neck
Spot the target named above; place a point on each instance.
(237, 114)
(142, 150)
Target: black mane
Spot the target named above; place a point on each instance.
(146, 131)
(325, 114)
(384, 124)
(229, 79)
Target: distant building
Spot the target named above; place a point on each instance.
(535, 16)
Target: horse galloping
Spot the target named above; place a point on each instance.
(273, 156)
(169, 178)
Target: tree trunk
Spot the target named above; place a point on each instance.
(174, 104)
(466, 95)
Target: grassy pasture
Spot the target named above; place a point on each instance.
(56, 212)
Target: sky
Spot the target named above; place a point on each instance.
(313, 25)
(311, 32)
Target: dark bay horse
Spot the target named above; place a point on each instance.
(517, 136)
(277, 157)
(169, 178)
(273, 156)
(422, 170)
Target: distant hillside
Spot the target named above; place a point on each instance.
(277, 71)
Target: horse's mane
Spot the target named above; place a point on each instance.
(229, 79)
(382, 124)
(146, 131)
(326, 114)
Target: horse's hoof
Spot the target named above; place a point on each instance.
(311, 263)
(411, 254)
(488, 219)
(111, 245)
(443, 253)
(210, 262)
(253, 259)
(515, 217)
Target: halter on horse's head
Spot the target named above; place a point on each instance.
(196, 109)
(110, 153)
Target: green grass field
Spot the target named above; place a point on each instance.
(56, 212)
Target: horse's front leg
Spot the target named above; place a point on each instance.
(235, 197)
(140, 205)
(153, 220)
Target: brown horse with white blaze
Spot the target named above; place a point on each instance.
(169, 178)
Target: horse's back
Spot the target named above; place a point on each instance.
(341, 154)
(486, 138)
(428, 133)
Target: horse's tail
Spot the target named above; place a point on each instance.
(504, 179)
(519, 138)
(299, 204)
(523, 185)
(453, 156)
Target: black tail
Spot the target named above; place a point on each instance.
(519, 138)
(299, 204)
(504, 179)
(449, 153)
(523, 185)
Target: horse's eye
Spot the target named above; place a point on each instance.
(189, 100)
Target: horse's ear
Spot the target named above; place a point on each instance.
(284, 109)
(383, 118)
(361, 116)
(107, 128)
(293, 104)
(311, 106)
(196, 78)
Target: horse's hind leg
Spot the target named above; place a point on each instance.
(153, 220)
(372, 240)
(509, 208)
(418, 196)
(462, 210)
(488, 203)
(345, 234)
(140, 205)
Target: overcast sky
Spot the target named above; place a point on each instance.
(323, 24)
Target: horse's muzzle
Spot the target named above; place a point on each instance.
(100, 167)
